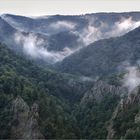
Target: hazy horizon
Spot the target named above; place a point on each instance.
(68, 14)
(64, 7)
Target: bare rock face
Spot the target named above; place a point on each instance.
(125, 104)
(111, 131)
(25, 121)
(137, 118)
(101, 89)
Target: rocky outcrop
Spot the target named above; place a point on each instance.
(25, 120)
(137, 118)
(130, 102)
(101, 89)
(111, 131)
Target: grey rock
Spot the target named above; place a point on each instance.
(101, 89)
(25, 120)
(133, 99)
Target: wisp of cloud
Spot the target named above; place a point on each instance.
(34, 47)
(131, 79)
(91, 33)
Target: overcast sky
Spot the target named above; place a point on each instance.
(70, 7)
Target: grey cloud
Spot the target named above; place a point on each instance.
(63, 24)
(34, 47)
(132, 78)
(91, 33)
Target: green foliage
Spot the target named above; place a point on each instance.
(21, 77)
(60, 113)
(124, 123)
(104, 57)
(93, 117)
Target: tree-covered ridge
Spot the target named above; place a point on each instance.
(15, 65)
(60, 116)
(104, 57)
(19, 77)
(41, 96)
(38, 102)
(125, 121)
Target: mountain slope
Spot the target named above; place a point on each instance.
(32, 106)
(125, 119)
(50, 104)
(7, 33)
(44, 24)
(24, 83)
(105, 56)
(38, 102)
(60, 36)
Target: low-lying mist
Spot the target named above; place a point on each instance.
(35, 47)
(92, 33)
(131, 79)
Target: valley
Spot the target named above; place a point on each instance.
(70, 77)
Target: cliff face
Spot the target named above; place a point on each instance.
(101, 89)
(126, 117)
(25, 120)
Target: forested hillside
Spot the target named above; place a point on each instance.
(46, 101)
(105, 56)
(70, 77)
(21, 78)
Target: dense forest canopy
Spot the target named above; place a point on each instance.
(70, 77)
